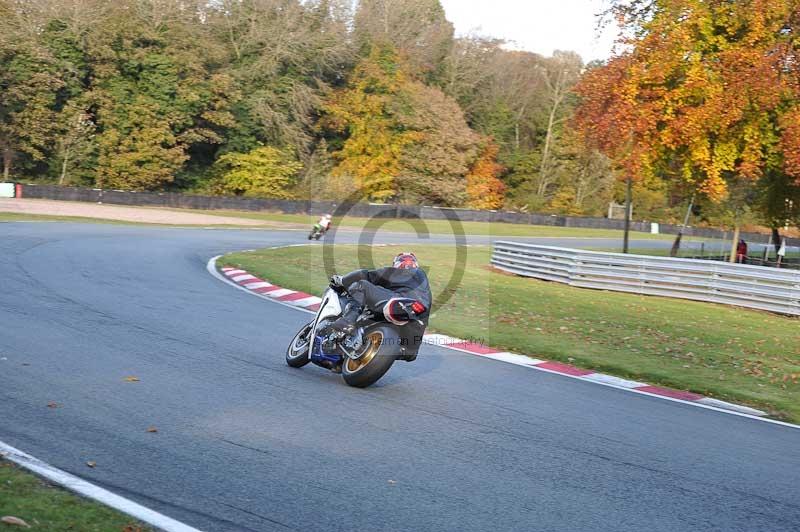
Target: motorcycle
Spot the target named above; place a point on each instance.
(316, 232)
(362, 356)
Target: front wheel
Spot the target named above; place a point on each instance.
(379, 354)
(299, 351)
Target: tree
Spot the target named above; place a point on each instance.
(284, 56)
(145, 155)
(704, 94)
(444, 147)
(28, 85)
(417, 28)
(404, 139)
(371, 154)
(560, 75)
(264, 172)
(155, 94)
(468, 71)
(484, 188)
(74, 140)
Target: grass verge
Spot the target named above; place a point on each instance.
(48, 508)
(441, 226)
(303, 221)
(22, 217)
(726, 352)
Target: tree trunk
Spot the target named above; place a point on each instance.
(7, 157)
(628, 199)
(735, 243)
(676, 246)
(64, 168)
(548, 139)
(776, 239)
(517, 120)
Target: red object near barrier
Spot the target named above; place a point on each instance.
(18, 190)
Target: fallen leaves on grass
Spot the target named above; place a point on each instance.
(131, 379)
(11, 520)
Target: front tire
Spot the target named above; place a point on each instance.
(380, 353)
(298, 352)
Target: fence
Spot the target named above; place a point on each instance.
(188, 201)
(714, 282)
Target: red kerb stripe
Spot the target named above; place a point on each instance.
(472, 347)
(668, 392)
(563, 368)
(266, 289)
(294, 297)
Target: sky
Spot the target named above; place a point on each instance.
(539, 26)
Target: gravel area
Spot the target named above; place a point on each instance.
(128, 214)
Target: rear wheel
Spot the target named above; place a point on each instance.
(298, 352)
(376, 359)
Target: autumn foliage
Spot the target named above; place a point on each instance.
(706, 93)
(484, 188)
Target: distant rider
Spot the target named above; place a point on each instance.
(400, 293)
(325, 222)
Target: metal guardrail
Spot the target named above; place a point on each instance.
(742, 285)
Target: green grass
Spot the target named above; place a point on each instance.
(726, 352)
(440, 226)
(304, 221)
(52, 509)
(22, 217)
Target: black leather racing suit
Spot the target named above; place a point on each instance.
(373, 288)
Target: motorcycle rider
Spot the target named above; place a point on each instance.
(325, 223)
(400, 293)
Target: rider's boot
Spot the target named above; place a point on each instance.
(347, 321)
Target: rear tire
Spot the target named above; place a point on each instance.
(381, 352)
(297, 354)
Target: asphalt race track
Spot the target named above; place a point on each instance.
(450, 442)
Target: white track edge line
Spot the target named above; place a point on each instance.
(212, 268)
(90, 491)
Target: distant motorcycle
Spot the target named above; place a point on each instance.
(316, 232)
(321, 227)
(362, 356)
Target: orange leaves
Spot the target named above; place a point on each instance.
(484, 189)
(790, 142)
(701, 89)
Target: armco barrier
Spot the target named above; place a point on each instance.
(714, 282)
(188, 201)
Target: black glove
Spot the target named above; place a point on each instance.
(336, 282)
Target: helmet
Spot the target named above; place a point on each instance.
(405, 260)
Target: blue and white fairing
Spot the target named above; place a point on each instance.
(329, 308)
